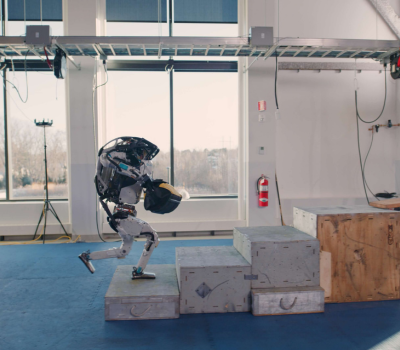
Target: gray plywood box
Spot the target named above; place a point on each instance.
(283, 301)
(212, 279)
(128, 299)
(280, 256)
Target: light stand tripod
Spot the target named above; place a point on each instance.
(47, 204)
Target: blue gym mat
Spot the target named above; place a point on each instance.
(49, 300)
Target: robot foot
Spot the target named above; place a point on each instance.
(142, 275)
(85, 257)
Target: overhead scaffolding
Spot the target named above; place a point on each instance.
(204, 47)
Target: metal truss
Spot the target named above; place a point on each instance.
(203, 46)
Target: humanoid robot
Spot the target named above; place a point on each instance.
(123, 171)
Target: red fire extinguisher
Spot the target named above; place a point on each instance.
(262, 191)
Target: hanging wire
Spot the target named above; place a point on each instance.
(358, 118)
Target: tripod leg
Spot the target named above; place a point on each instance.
(45, 222)
(53, 211)
(37, 227)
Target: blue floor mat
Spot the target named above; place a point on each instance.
(49, 300)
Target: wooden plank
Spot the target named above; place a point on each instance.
(386, 203)
(327, 235)
(325, 273)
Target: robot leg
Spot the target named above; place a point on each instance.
(151, 243)
(119, 253)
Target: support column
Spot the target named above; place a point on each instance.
(82, 17)
(260, 86)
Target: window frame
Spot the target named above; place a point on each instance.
(177, 66)
(34, 66)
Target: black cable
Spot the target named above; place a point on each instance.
(97, 222)
(383, 108)
(94, 135)
(26, 79)
(359, 155)
(276, 79)
(358, 117)
(365, 161)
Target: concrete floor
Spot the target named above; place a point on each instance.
(48, 300)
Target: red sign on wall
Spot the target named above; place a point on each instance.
(262, 105)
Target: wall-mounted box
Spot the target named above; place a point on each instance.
(261, 36)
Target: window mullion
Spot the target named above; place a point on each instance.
(171, 116)
(7, 177)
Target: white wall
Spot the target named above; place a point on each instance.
(313, 147)
(316, 146)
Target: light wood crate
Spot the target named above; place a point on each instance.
(360, 253)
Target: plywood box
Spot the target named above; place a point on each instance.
(128, 299)
(283, 301)
(280, 256)
(360, 253)
(212, 279)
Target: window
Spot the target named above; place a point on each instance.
(138, 105)
(29, 12)
(136, 18)
(46, 100)
(206, 133)
(204, 116)
(190, 17)
(205, 18)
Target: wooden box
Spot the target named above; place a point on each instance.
(128, 299)
(280, 256)
(212, 279)
(360, 255)
(283, 301)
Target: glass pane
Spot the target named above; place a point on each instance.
(206, 133)
(50, 10)
(138, 105)
(136, 11)
(3, 177)
(46, 99)
(206, 11)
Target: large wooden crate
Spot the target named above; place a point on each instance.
(360, 255)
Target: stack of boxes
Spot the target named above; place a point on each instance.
(268, 270)
(285, 269)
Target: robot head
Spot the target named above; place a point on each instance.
(136, 149)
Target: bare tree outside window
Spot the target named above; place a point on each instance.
(46, 100)
(206, 133)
